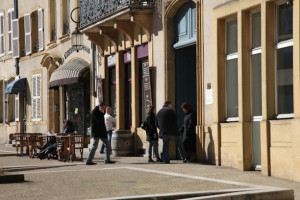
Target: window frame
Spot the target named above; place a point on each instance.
(3, 34)
(9, 31)
(253, 52)
(36, 97)
(229, 57)
(280, 45)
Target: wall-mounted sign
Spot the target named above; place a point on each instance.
(111, 60)
(147, 86)
(72, 49)
(209, 96)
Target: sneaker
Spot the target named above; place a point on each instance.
(91, 163)
(109, 162)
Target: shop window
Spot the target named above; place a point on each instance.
(52, 16)
(9, 30)
(284, 60)
(112, 89)
(66, 17)
(231, 70)
(255, 59)
(2, 34)
(36, 97)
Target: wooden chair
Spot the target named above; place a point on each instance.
(20, 143)
(33, 139)
(62, 141)
(76, 142)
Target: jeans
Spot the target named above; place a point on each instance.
(154, 144)
(94, 148)
(109, 135)
(178, 141)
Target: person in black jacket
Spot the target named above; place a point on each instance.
(152, 136)
(188, 131)
(99, 131)
(168, 130)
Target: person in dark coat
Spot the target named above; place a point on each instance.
(168, 130)
(188, 131)
(152, 135)
(99, 131)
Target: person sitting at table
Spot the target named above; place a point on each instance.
(50, 147)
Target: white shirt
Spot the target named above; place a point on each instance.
(109, 120)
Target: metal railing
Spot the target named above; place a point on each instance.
(95, 10)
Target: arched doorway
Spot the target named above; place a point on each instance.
(185, 38)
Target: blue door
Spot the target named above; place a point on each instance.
(185, 61)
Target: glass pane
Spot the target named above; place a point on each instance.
(256, 30)
(285, 80)
(231, 34)
(112, 90)
(256, 84)
(284, 22)
(143, 111)
(232, 88)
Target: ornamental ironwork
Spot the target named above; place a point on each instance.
(95, 10)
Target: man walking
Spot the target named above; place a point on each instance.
(168, 130)
(99, 132)
(109, 120)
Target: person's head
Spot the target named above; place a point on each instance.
(102, 107)
(108, 110)
(186, 107)
(152, 110)
(168, 104)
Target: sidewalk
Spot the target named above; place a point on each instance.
(131, 176)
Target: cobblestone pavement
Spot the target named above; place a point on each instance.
(129, 176)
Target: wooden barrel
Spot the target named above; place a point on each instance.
(122, 143)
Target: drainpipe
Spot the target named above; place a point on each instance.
(16, 11)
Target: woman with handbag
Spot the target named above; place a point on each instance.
(152, 136)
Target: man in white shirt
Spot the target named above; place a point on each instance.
(109, 120)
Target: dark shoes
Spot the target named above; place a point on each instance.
(109, 162)
(150, 160)
(91, 163)
(159, 160)
(186, 160)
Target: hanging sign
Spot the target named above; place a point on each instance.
(147, 85)
(99, 89)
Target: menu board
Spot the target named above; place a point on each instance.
(147, 85)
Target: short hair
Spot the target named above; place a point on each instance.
(107, 108)
(102, 104)
(187, 106)
(167, 103)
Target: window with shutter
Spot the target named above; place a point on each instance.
(15, 38)
(27, 29)
(10, 17)
(36, 97)
(41, 29)
(17, 107)
(1, 34)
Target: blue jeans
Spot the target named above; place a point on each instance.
(109, 135)
(178, 141)
(154, 144)
(95, 146)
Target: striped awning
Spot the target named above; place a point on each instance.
(68, 73)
